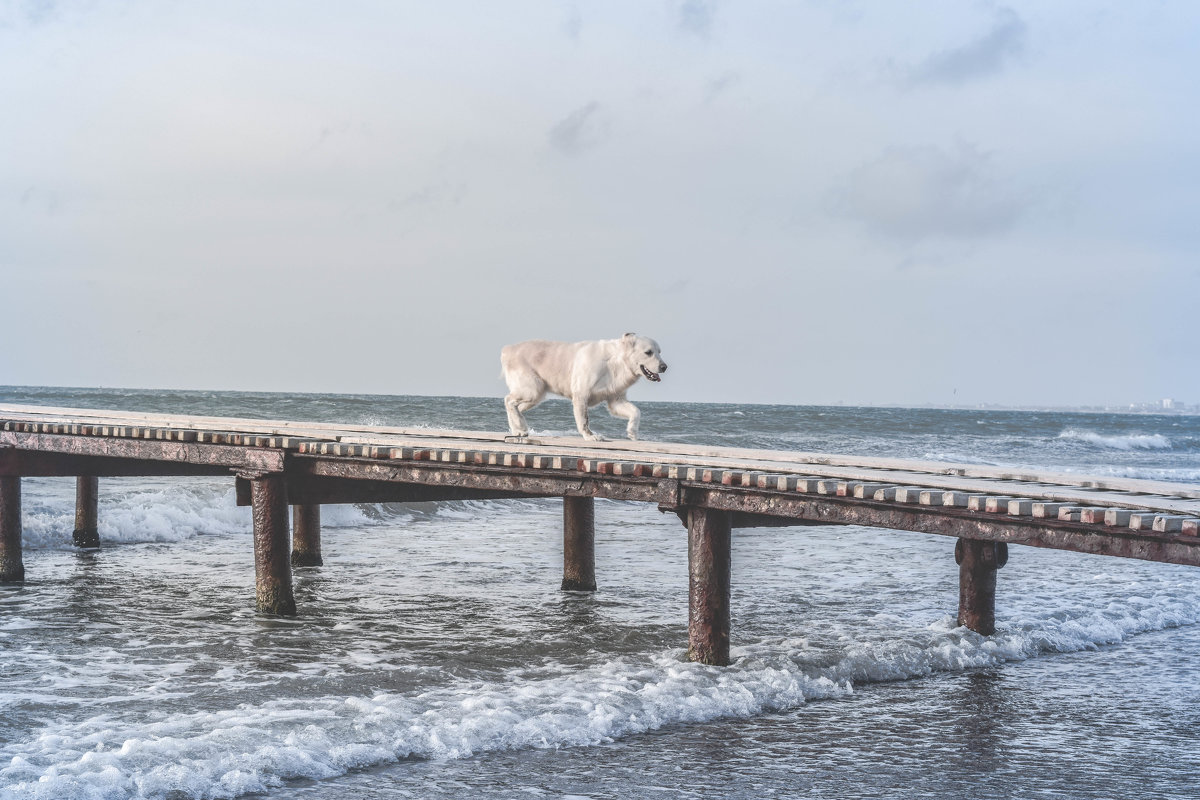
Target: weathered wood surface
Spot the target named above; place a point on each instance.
(306, 536)
(709, 570)
(861, 468)
(272, 564)
(579, 544)
(12, 567)
(325, 463)
(86, 533)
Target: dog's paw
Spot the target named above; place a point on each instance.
(591, 437)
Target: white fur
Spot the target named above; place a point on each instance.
(586, 373)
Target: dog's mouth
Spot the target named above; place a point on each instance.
(650, 376)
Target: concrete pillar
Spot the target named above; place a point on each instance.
(272, 567)
(977, 565)
(579, 544)
(87, 491)
(12, 568)
(306, 536)
(708, 585)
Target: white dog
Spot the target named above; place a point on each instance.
(586, 373)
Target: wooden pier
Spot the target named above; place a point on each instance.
(713, 491)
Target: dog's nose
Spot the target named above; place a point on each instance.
(662, 367)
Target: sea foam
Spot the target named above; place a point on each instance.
(254, 747)
(1130, 441)
(132, 514)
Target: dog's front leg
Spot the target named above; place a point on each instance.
(620, 407)
(581, 421)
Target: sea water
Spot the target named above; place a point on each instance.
(434, 656)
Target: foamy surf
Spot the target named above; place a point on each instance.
(156, 511)
(1131, 441)
(256, 747)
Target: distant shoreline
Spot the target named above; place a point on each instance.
(1133, 409)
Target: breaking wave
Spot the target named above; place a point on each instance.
(254, 747)
(1131, 441)
(135, 513)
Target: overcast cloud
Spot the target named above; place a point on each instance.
(979, 58)
(374, 197)
(913, 193)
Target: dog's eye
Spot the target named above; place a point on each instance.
(649, 352)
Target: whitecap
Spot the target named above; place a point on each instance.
(253, 747)
(1129, 441)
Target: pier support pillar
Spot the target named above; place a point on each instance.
(306, 536)
(272, 568)
(87, 491)
(977, 565)
(12, 568)
(708, 585)
(579, 544)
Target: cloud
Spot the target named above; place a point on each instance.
(579, 131)
(715, 87)
(696, 17)
(985, 56)
(914, 193)
(573, 22)
(23, 13)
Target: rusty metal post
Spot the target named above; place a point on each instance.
(306, 536)
(272, 569)
(87, 493)
(708, 585)
(579, 544)
(12, 568)
(977, 565)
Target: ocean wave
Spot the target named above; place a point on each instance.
(163, 513)
(1129, 441)
(255, 747)
(1166, 474)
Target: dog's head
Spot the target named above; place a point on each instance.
(642, 356)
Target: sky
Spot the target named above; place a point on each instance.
(950, 203)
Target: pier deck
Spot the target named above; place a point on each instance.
(713, 490)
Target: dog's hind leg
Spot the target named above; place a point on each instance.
(620, 407)
(523, 397)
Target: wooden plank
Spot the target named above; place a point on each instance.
(1142, 521)
(816, 460)
(808, 485)
(1020, 507)
(1070, 513)
(38, 464)
(1117, 516)
(997, 505)
(977, 502)
(1048, 510)
(182, 452)
(1165, 523)
(1080, 490)
(955, 499)
(316, 490)
(958, 523)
